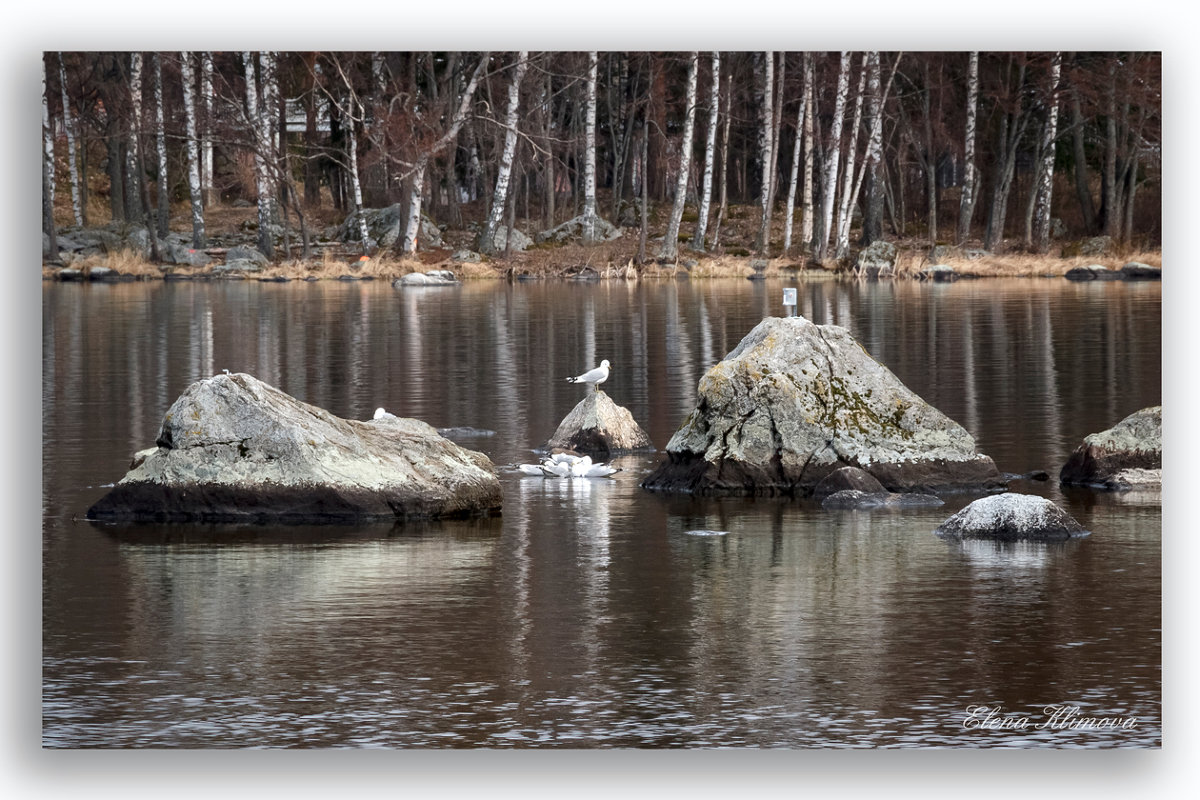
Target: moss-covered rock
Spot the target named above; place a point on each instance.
(1127, 455)
(794, 402)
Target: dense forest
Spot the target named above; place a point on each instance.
(830, 151)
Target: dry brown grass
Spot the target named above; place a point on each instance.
(1013, 265)
(125, 262)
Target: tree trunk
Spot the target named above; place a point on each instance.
(833, 152)
(134, 212)
(355, 182)
(716, 237)
(1041, 226)
(209, 193)
(966, 203)
(312, 175)
(259, 145)
(269, 129)
(1111, 204)
(164, 185)
(1012, 127)
(872, 228)
(765, 147)
(644, 232)
(48, 173)
(487, 239)
(589, 153)
(1083, 192)
(670, 245)
(930, 159)
(710, 147)
(193, 151)
(413, 225)
(807, 209)
(69, 127)
(845, 207)
(794, 179)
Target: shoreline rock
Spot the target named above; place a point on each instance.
(794, 402)
(232, 448)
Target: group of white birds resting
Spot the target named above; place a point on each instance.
(561, 465)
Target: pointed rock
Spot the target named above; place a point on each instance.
(796, 401)
(599, 427)
(233, 448)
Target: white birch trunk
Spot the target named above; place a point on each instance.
(765, 147)
(966, 203)
(133, 200)
(269, 129)
(259, 145)
(670, 245)
(589, 152)
(355, 183)
(413, 225)
(796, 155)
(710, 147)
(487, 239)
(848, 194)
(193, 150)
(806, 201)
(1041, 224)
(206, 92)
(832, 155)
(47, 170)
(69, 126)
(160, 137)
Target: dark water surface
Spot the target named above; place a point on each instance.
(591, 614)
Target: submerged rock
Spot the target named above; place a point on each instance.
(1127, 455)
(855, 499)
(437, 277)
(794, 402)
(1011, 517)
(599, 427)
(1092, 272)
(1137, 271)
(940, 273)
(233, 448)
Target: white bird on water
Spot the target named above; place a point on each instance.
(563, 465)
(593, 377)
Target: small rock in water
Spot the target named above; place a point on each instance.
(1012, 517)
(705, 533)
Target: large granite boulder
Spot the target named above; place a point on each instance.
(1127, 455)
(233, 448)
(877, 259)
(599, 427)
(499, 241)
(794, 402)
(1010, 518)
(385, 226)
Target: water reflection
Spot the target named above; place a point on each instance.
(587, 615)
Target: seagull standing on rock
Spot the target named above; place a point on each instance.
(593, 377)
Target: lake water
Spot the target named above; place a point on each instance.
(593, 613)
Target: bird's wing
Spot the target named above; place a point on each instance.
(591, 376)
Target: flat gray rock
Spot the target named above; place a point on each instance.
(794, 402)
(1010, 518)
(233, 448)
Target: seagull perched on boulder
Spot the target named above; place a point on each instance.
(593, 377)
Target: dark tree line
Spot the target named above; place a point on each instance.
(831, 150)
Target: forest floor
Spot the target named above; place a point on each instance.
(332, 260)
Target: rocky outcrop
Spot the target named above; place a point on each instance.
(1092, 272)
(878, 259)
(1137, 271)
(1127, 455)
(385, 226)
(939, 273)
(794, 402)
(599, 427)
(573, 231)
(233, 448)
(499, 240)
(1010, 518)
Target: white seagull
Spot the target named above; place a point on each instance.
(381, 414)
(593, 377)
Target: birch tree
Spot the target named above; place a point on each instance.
(133, 177)
(193, 150)
(710, 146)
(807, 209)
(966, 203)
(765, 148)
(797, 148)
(848, 188)
(1041, 222)
(670, 245)
(589, 152)
(487, 239)
(209, 193)
(1012, 124)
(254, 114)
(352, 111)
(48, 172)
(409, 243)
(873, 196)
(160, 137)
(833, 152)
(724, 168)
(69, 127)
